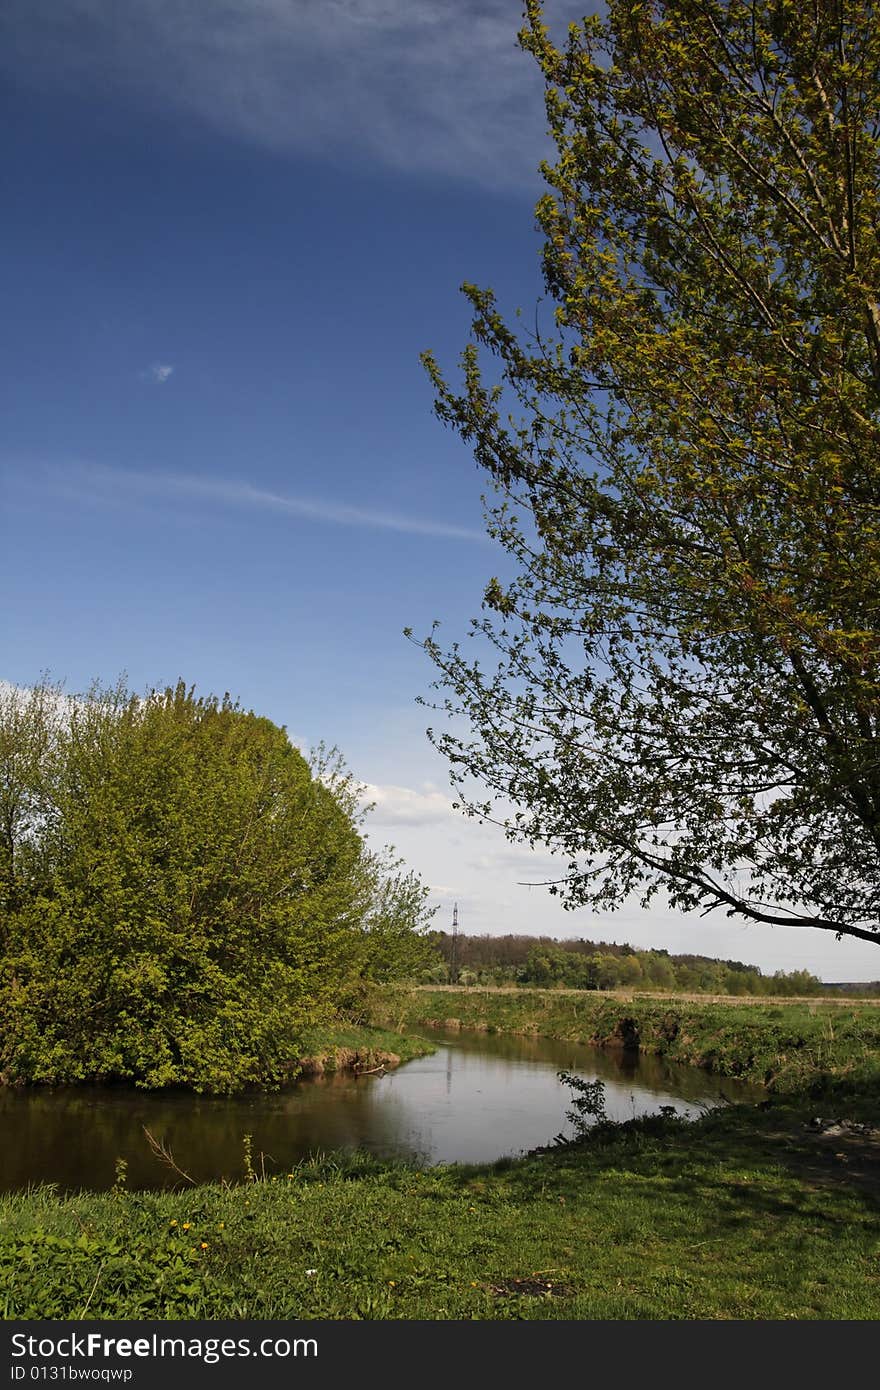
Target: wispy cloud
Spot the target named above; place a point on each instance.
(116, 484)
(427, 85)
(158, 373)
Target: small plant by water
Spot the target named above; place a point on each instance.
(588, 1103)
(120, 1178)
(588, 1113)
(247, 1144)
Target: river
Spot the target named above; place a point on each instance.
(475, 1099)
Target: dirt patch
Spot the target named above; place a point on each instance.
(850, 1145)
(669, 1027)
(626, 1035)
(833, 1151)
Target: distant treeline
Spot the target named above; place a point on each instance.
(582, 964)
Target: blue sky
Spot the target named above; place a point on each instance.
(230, 228)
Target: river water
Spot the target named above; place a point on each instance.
(477, 1098)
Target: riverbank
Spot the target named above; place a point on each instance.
(332, 1047)
(361, 1049)
(790, 1046)
(747, 1213)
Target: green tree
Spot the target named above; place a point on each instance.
(28, 724)
(629, 971)
(191, 898)
(685, 692)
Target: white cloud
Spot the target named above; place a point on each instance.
(405, 806)
(532, 867)
(422, 85)
(19, 695)
(115, 483)
(158, 373)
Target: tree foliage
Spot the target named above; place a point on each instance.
(180, 894)
(687, 460)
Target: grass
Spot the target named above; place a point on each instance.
(745, 1214)
(788, 1046)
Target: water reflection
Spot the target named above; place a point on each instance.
(477, 1097)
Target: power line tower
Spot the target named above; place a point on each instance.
(453, 963)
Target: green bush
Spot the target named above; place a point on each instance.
(181, 895)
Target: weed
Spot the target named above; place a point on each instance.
(247, 1155)
(588, 1105)
(120, 1179)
